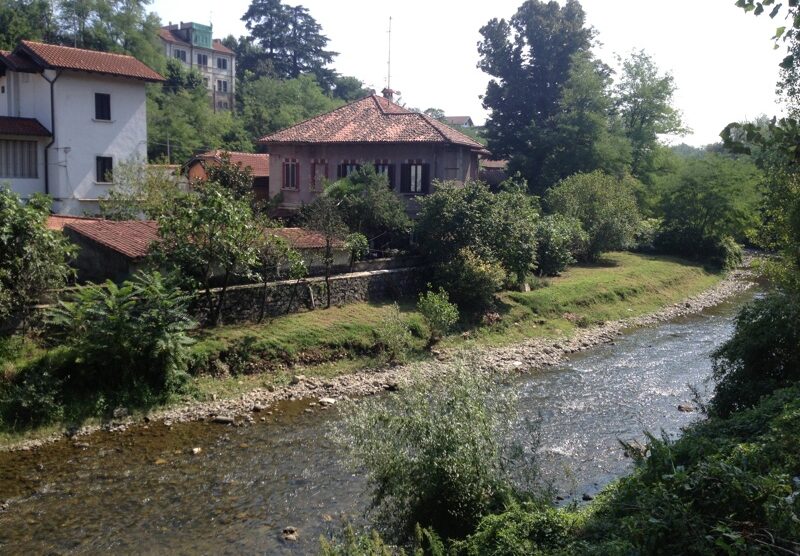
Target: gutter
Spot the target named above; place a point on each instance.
(52, 130)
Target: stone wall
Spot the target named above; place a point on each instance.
(243, 303)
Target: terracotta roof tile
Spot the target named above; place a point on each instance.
(258, 163)
(131, 238)
(301, 238)
(57, 221)
(457, 120)
(78, 59)
(15, 62)
(169, 36)
(373, 119)
(29, 127)
(219, 47)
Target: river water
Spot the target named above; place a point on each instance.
(143, 491)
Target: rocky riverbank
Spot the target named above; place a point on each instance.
(323, 393)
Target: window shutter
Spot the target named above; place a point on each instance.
(339, 171)
(405, 178)
(297, 176)
(391, 176)
(285, 175)
(426, 178)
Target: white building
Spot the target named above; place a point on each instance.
(68, 116)
(192, 44)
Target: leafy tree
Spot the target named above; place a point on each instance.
(438, 312)
(644, 101)
(211, 237)
(26, 19)
(349, 88)
(140, 190)
(234, 177)
(276, 257)
(561, 241)
(323, 216)
(358, 246)
(33, 259)
(529, 58)
(605, 206)
(370, 207)
(435, 113)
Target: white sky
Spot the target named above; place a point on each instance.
(723, 60)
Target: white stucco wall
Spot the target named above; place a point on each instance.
(80, 138)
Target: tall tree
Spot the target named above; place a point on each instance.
(529, 57)
(644, 101)
(26, 19)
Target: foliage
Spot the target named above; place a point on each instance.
(605, 206)
(323, 215)
(235, 177)
(529, 58)
(393, 338)
(33, 259)
(32, 20)
(369, 206)
(358, 245)
(561, 241)
(437, 454)
(762, 355)
(644, 100)
(211, 237)
(438, 312)
(470, 279)
(140, 189)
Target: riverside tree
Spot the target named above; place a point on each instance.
(323, 216)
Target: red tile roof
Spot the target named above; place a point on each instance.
(457, 120)
(131, 238)
(57, 221)
(258, 163)
(219, 47)
(29, 127)
(17, 63)
(50, 56)
(300, 238)
(373, 119)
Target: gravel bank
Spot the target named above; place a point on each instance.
(524, 357)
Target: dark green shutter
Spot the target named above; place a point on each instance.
(426, 178)
(405, 178)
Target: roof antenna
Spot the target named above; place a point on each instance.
(388, 93)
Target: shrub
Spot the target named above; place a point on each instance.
(438, 312)
(470, 280)
(561, 241)
(129, 342)
(605, 206)
(358, 245)
(719, 252)
(437, 454)
(393, 337)
(763, 354)
(645, 237)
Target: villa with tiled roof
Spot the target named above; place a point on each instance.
(412, 149)
(68, 116)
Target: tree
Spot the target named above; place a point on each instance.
(323, 216)
(370, 207)
(140, 190)
(274, 257)
(26, 19)
(644, 101)
(210, 236)
(435, 113)
(605, 206)
(349, 88)
(529, 58)
(236, 178)
(33, 259)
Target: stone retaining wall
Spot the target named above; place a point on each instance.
(243, 303)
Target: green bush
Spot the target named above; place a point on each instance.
(470, 280)
(646, 234)
(562, 241)
(439, 313)
(393, 338)
(437, 455)
(719, 252)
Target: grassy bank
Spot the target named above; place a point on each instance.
(230, 360)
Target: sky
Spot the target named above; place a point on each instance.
(723, 61)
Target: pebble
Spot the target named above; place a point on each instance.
(685, 408)
(223, 420)
(290, 533)
(197, 451)
(587, 497)
(327, 401)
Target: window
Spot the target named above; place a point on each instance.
(180, 55)
(205, 82)
(222, 63)
(291, 174)
(319, 174)
(222, 86)
(383, 167)
(202, 60)
(105, 167)
(102, 107)
(346, 168)
(18, 159)
(415, 177)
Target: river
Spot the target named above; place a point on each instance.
(145, 491)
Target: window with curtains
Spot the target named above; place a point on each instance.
(291, 174)
(18, 159)
(319, 174)
(387, 169)
(346, 168)
(415, 177)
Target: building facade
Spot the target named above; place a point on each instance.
(194, 46)
(411, 149)
(68, 116)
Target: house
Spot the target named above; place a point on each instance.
(67, 117)
(459, 121)
(412, 149)
(493, 172)
(257, 163)
(192, 44)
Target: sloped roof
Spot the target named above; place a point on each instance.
(131, 238)
(58, 221)
(258, 163)
(29, 127)
(50, 56)
(219, 47)
(18, 63)
(373, 119)
(301, 238)
(169, 36)
(457, 120)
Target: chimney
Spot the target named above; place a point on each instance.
(388, 94)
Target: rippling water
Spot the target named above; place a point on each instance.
(143, 491)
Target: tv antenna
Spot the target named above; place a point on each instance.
(389, 61)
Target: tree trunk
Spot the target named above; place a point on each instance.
(221, 300)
